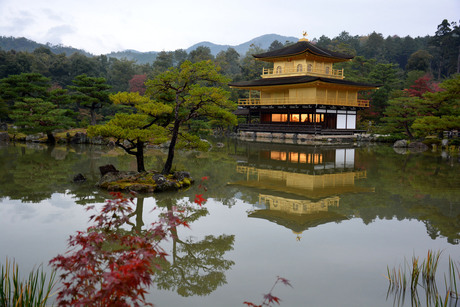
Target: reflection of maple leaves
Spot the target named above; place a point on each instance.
(107, 265)
(199, 197)
(269, 299)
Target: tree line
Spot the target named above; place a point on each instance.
(79, 86)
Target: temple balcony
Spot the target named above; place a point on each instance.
(301, 70)
(305, 101)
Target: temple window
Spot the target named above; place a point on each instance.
(327, 70)
(279, 117)
(303, 158)
(278, 69)
(319, 118)
(278, 155)
(294, 118)
(309, 67)
(299, 68)
(294, 157)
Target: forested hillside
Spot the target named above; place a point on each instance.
(24, 44)
(399, 64)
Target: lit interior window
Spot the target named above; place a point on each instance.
(304, 117)
(319, 118)
(303, 158)
(295, 118)
(279, 117)
(294, 157)
(278, 155)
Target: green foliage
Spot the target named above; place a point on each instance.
(33, 106)
(193, 91)
(443, 109)
(402, 112)
(137, 128)
(36, 115)
(119, 74)
(229, 62)
(90, 93)
(427, 125)
(200, 54)
(445, 49)
(129, 127)
(446, 101)
(419, 60)
(251, 69)
(25, 85)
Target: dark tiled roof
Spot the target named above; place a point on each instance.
(299, 48)
(297, 80)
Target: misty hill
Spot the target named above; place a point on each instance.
(263, 42)
(24, 44)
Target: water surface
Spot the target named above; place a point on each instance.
(328, 219)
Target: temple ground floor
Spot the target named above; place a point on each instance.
(295, 120)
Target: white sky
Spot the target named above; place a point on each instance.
(102, 26)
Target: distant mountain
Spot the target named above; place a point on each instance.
(24, 44)
(263, 42)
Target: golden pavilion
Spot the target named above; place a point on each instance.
(302, 93)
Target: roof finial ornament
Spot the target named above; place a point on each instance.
(304, 38)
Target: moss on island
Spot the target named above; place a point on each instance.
(144, 182)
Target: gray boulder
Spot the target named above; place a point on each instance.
(400, 144)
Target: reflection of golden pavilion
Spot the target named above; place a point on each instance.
(303, 186)
(298, 215)
(298, 206)
(313, 186)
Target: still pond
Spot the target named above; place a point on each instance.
(328, 219)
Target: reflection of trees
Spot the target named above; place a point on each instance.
(34, 172)
(421, 186)
(197, 267)
(33, 175)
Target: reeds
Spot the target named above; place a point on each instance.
(33, 291)
(424, 276)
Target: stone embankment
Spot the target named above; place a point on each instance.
(305, 139)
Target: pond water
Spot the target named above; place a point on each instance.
(328, 219)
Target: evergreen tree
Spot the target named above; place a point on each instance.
(90, 93)
(192, 91)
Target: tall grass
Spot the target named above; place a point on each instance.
(32, 291)
(423, 276)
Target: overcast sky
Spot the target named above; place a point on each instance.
(102, 26)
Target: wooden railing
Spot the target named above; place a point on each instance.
(286, 128)
(303, 101)
(321, 72)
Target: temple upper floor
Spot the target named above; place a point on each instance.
(302, 58)
(302, 67)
